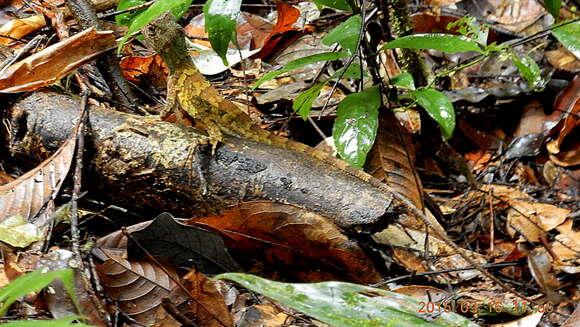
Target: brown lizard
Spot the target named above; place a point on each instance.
(190, 93)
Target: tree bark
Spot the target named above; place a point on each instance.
(141, 162)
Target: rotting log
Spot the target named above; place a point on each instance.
(142, 162)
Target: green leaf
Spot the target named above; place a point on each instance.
(439, 107)
(124, 19)
(345, 34)
(569, 36)
(553, 7)
(349, 305)
(300, 63)
(530, 71)
(144, 18)
(32, 282)
(303, 102)
(442, 42)
(220, 24)
(62, 322)
(336, 4)
(355, 127)
(404, 80)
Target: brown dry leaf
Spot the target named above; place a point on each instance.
(288, 235)
(137, 287)
(540, 265)
(264, 316)
(135, 68)
(533, 220)
(392, 160)
(563, 59)
(207, 298)
(565, 149)
(53, 63)
(30, 196)
(567, 248)
(17, 28)
(409, 252)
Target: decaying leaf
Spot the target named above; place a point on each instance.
(285, 234)
(30, 196)
(53, 63)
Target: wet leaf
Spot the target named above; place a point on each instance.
(530, 71)
(220, 24)
(124, 19)
(345, 34)
(443, 42)
(569, 36)
(355, 127)
(439, 107)
(343, 304)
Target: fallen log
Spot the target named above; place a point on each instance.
(142, 162)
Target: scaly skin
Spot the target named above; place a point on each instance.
(189, 92)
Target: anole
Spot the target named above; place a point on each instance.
(191, 94)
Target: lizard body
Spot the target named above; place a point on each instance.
(190, 93)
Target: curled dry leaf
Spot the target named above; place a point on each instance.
(53, 63)
(29, 198)
(297, 238)
(17, 28)
(540, 265)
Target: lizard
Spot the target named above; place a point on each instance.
(190, 94)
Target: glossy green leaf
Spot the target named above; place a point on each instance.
(569, 36)
(442, 42)
(439, 107)
(124, 19)
(349, 305)
(144, 18)
(553, 7)
(325, 56)
(220, 24)
(353, 71)
(530, 71)
(336, 4)
(345, 34)
(62, 322)
(33, 282)
(355, 127)
(404, 80)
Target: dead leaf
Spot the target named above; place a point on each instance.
(209, 303)
(136, 286)
(18, 28)
(53, 63)
(31, 195)
(540, 266)
(392, 160)
(292, 237)
(287, 17)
